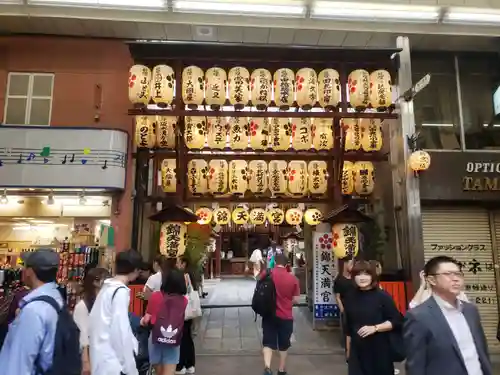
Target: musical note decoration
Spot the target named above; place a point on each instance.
(45, 152)
(45, 160)
(84, 161)
(1, 163)
(72, 158)
(86, 151)
(20, 161)
(105, 166)
(30, 157)
(65, 159)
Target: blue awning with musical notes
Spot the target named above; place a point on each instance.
(55, 157)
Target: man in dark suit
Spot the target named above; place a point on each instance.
(444, 335)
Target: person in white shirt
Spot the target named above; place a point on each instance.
(154, 281)
(92, 283)
(257, 260)
(112, 344)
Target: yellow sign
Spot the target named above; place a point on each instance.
(276, 216)
(240, 216)
(222, 216)
(258, 216)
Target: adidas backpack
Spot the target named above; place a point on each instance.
(264, 297)
(167, 329)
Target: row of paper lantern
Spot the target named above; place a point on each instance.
(295, 178)
(259, 88)
(279, 134)
(259, 216)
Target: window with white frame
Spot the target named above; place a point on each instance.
(28, 100)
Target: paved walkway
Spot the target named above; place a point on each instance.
(228, 292)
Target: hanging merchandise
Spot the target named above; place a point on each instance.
(257, 176)
(197, 176)
(371, 134)
(358, 85)
(297, 178)
(259, 133)
(257, 216)
(301, 134)
(261, 88)
(240, 216)
(281, 131)
(347, 181)
(238, 82)
(217, 176)
(283, 88)
(277, 177)
(317, 177)
(306, 88)
(322, 133)
(205, 215)
(215, 87)
(216, 133)
(294, 216)
(168, 176)
(275, 216)
(165, 131)
(364, 179)
(238, 133)
(352, 133)
(222, 216)
(328, 88)
(162, 85)
(145, 136)
(380, 89)
(192, 86)
(195, 132)
(345, 240)
(313, 216)
(139, 79)
(238, 177)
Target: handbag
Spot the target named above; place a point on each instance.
(193, 307)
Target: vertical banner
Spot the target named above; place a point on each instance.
(325, 306)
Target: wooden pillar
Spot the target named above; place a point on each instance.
(218, 247)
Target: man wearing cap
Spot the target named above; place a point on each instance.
(31, 335)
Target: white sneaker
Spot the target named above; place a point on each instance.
(181, 372)
(190, 370)
(396, 371)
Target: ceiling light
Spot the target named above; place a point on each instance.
(289, 8)
(127, 4)
(374, 12)
(472, 16)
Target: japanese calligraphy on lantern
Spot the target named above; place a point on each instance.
(325, 305)
(260, 86)
(238, 133)
(162, 86)
(217, 176)
(217, 132)
(172, 239)
(192, 86)
(283, 88)
(301, 133)
(168, 176)
(258, 176)
(359, 88)
(215, 87)
(238, 81)
(165, 131)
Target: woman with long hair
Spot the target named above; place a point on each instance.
(92, 283)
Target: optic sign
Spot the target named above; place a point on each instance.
(482, 183)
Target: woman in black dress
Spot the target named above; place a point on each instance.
(370, 316)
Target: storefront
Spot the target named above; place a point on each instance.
(460, 196)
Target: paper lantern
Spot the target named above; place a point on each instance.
(257, 216)
(261, 88)
(217, 176)
(222, 216)
(215, 87)
(205, 215)
(352, 134)
(297, 178)
(173, 237)
(313, 216)
(347, 181)
(371, 134)
(197, 176)
(275, 216)
(358, 85)
(301, 134)
(165, 131)
(281, 131)
(238, 177)
(238, 82)
(284, 82)
(328, 88)
(259, 133)
(238, 133)
(380, 89)
(216, 132)
(192, 86)
(294, 216)
(317, 177)
(240, 216)
(419, 161)
(145, 136)
(162, 85)
(168, 176)
(322, 133)
(345, 240)
(195, 132)
(139, 79)
(364, 178)
(257, 176)
(306, 88)
(277, 177)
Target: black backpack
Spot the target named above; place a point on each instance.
(264, 297)
(67, 359)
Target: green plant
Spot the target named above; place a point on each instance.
(198, 237)
(374, 241)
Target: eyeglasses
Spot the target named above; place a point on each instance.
(449, 274)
